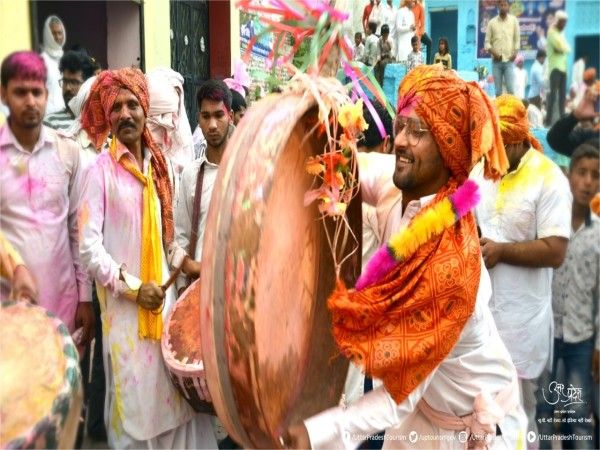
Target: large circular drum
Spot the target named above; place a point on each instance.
(40, 382)
(267, 271)
(182, 351)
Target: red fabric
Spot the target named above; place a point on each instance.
(366, 14)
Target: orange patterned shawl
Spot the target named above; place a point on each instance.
(95, 120)
(401, 329)
(514, 125)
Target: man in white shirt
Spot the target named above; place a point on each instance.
(403, 30)
(525, 228)
(214, 118)
(40, 183)
(434, 387)
(536, 80)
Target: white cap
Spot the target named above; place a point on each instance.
(560, 15)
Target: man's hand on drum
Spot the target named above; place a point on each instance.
(84, 318)
(150, 296)
(191, 268)
(23, 286)
(296, 437)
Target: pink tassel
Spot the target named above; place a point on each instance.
(465, 198)
(377, 267)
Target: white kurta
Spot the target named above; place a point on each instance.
(479, 363)
(531, 202)
(403, 33)
(56, 102)
(142, 407)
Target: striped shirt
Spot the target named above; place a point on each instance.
(60, 120)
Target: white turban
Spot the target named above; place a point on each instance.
(49, 45)
(560, 15)
(77, 102)
(167, 118)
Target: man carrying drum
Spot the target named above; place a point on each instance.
(422, 325)
(126, 221)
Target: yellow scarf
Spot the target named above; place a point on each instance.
(150, 323)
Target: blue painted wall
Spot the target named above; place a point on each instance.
(584, 20)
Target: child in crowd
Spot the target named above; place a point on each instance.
(385, 50)
(443, 55)
(359, 47)
(415, 58)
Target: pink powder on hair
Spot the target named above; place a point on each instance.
(25, 65)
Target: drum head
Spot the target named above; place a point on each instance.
(267, 272)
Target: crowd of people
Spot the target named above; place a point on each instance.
(104, 192)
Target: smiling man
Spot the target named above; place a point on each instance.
(424, 328)
(127, 225)
(40, 177)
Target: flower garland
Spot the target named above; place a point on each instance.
(429, 223)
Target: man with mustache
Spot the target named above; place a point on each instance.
(420, 322)
(40, 178)
(126, 221)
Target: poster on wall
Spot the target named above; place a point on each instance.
(535, 18)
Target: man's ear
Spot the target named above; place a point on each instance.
(3, 94)
(387, 144)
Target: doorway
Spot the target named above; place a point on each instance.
(588, 46)
(444, 23)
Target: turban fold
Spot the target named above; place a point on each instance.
(461, 117)
(514, 125)
(95, 120)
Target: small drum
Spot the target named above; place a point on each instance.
(182, 350)
(40, 382)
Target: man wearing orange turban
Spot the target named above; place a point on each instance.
(126, 221)
(422, 326)
(525, 224)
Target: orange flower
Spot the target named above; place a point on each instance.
(351, 117)
(595, 204)
(314, 166)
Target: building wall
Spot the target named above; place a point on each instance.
(157, 34)
(15, 23)
(123, 46)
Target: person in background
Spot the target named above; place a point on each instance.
(238, 106)
(520, 77)
(167, 118)
(54, 38)
(572, 130)
(404, 30)
(524, 235)
(366, 14)
(502, 41)
(359, 47)
(377, 16)
(557, 49)
(443, 55)
(415, 58)
(75, 68)
(419, 13)
(536, 80)
(575, 290)
(371, 46)
(388, 15)
(385, 52)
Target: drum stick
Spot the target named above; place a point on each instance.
(172, 278)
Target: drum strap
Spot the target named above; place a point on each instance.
(196, 212)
